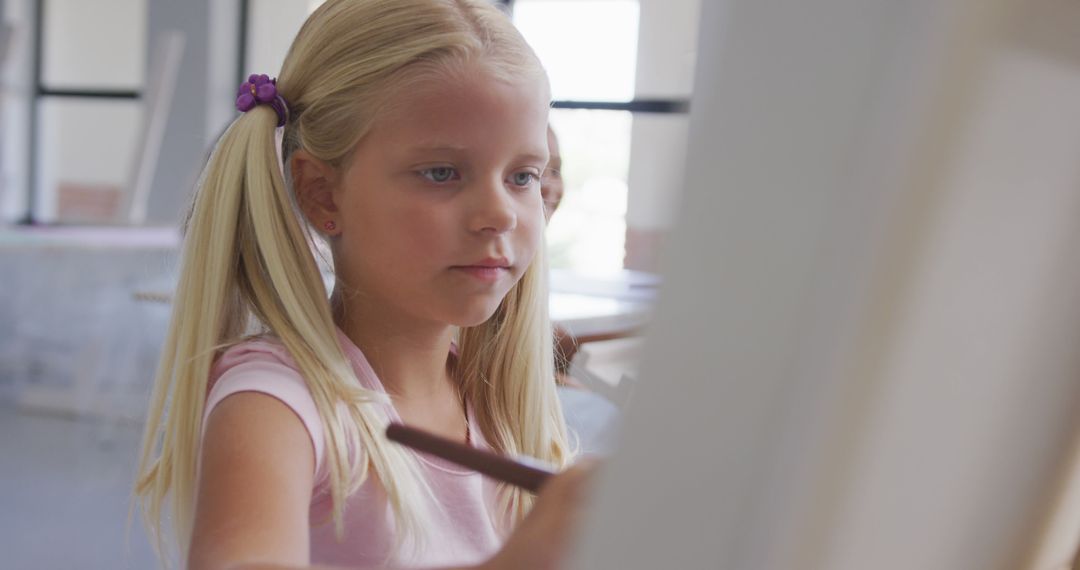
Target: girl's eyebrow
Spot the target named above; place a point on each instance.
(438, 148)
(458, 149)
(533, 156)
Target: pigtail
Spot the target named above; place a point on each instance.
(206, 310)
(507, 364)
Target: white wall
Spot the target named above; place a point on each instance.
(665, 68)
(271, 30)
(667, 39)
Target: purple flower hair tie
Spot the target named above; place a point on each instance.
(261, 90)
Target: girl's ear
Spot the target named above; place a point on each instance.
(315, 182)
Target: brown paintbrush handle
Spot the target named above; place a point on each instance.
(490, 464)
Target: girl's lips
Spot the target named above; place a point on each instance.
(483, 273)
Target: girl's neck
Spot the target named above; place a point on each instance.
(409, 356)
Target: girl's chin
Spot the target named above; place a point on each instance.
(471, 315)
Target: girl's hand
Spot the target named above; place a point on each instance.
(543, 540)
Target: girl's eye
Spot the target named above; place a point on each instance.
(524, 178)
(439, 174)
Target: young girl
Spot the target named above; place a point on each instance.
(413, 141)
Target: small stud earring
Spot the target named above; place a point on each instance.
(330, 226)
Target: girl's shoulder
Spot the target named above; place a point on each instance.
(264, 348)
(263, 364)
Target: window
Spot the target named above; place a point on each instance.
(90, 71)
(620, 81)
(589, 47)
(620, 72)
(589, 51)
(588, 231)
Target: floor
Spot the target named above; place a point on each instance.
(64, 488)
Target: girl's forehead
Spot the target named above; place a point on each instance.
(472, 89)
(466, 110)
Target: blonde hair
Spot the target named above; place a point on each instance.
(247, 266)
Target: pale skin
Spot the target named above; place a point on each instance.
(446, 181)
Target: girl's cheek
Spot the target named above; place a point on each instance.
(533, 233)
(527, 219)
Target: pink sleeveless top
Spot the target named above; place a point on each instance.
(462, 532)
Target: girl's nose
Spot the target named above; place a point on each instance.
(493, 209)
